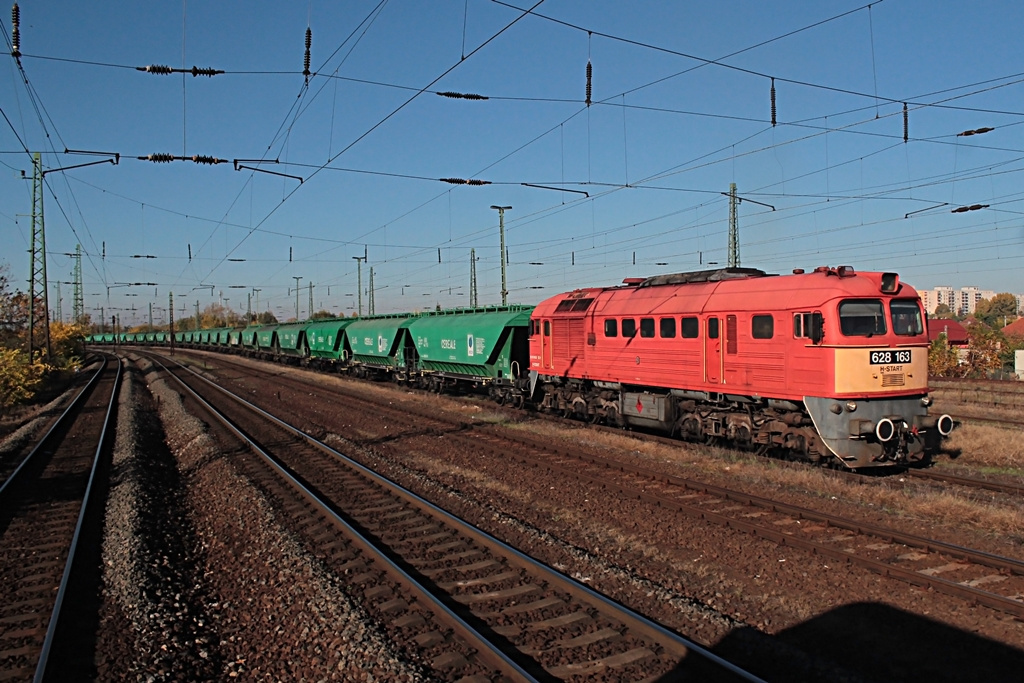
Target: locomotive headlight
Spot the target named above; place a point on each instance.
(851, 406)
(926, 401)
(836, 408)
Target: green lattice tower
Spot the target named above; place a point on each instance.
(472, 278)
(39, 310)
(58, 314)
(373, 305)
(78, 299)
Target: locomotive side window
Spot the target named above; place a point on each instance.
(547, 328)
(807, 326)
(668, 328)
(611, 327)
(861, 317)
(690, 328)
(647, 327)
(628, 327)
(906, 317)
(762, 327)
(712, 328)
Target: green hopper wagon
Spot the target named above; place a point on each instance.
(379, 344)
(484, 347)
(291, 341)
(326, 340)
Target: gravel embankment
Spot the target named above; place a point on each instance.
(203, 581)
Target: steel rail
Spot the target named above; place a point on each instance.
(42, 668)
(969, 593)
(1001, 487)
(51, 432)
(461, 626)
(643, 624)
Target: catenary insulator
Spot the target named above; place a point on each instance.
(462, 96)
(590, 74)
(305, 63)
(155, 69)
(773, 102)
(208, 71)
(158, 158)
(16, 31)
(906, 123)
(204, 159)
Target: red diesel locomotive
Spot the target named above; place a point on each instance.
(831, 363)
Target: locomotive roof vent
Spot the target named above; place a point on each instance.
(701, 276)
(841, 271)
(798, 271)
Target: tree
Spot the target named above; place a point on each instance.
(942, 359)
(18, 377)
(266, 318)
(321, 314)
(983, 346)
(998, 311)
(943, 311)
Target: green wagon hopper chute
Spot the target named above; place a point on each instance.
(250, 337)
(377, 341)
(265, 338)
(290, 339)
(325, 338)
(471, 343)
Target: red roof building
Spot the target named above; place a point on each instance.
(956, 334)
(1015, 329)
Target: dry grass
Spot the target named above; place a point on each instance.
(983, 446)
(990, 448)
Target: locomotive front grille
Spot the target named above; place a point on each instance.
(895, 380)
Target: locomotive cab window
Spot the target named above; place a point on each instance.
(807, 326)
(647, 327)
(628, 327)
(690, 328)
(611, 327)
(762, 327)
(906, 317)
(861, 317)
(668, 328)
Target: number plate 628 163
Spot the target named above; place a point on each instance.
(890, 357)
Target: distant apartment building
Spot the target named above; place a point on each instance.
(962, 301)
(940, 295)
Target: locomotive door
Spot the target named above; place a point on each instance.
(545, 344)
(713, 351)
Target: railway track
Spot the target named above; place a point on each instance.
(51, 510)
(975, 576)
(472, 605)
(971, 482)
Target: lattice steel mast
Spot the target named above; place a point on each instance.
(39, 308)
(734, 228)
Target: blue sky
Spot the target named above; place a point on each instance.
(665, 135)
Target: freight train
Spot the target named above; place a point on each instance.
(829, 366)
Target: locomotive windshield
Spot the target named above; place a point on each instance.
(861, 317)
(906, 317)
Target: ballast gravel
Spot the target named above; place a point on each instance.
(201, 581)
